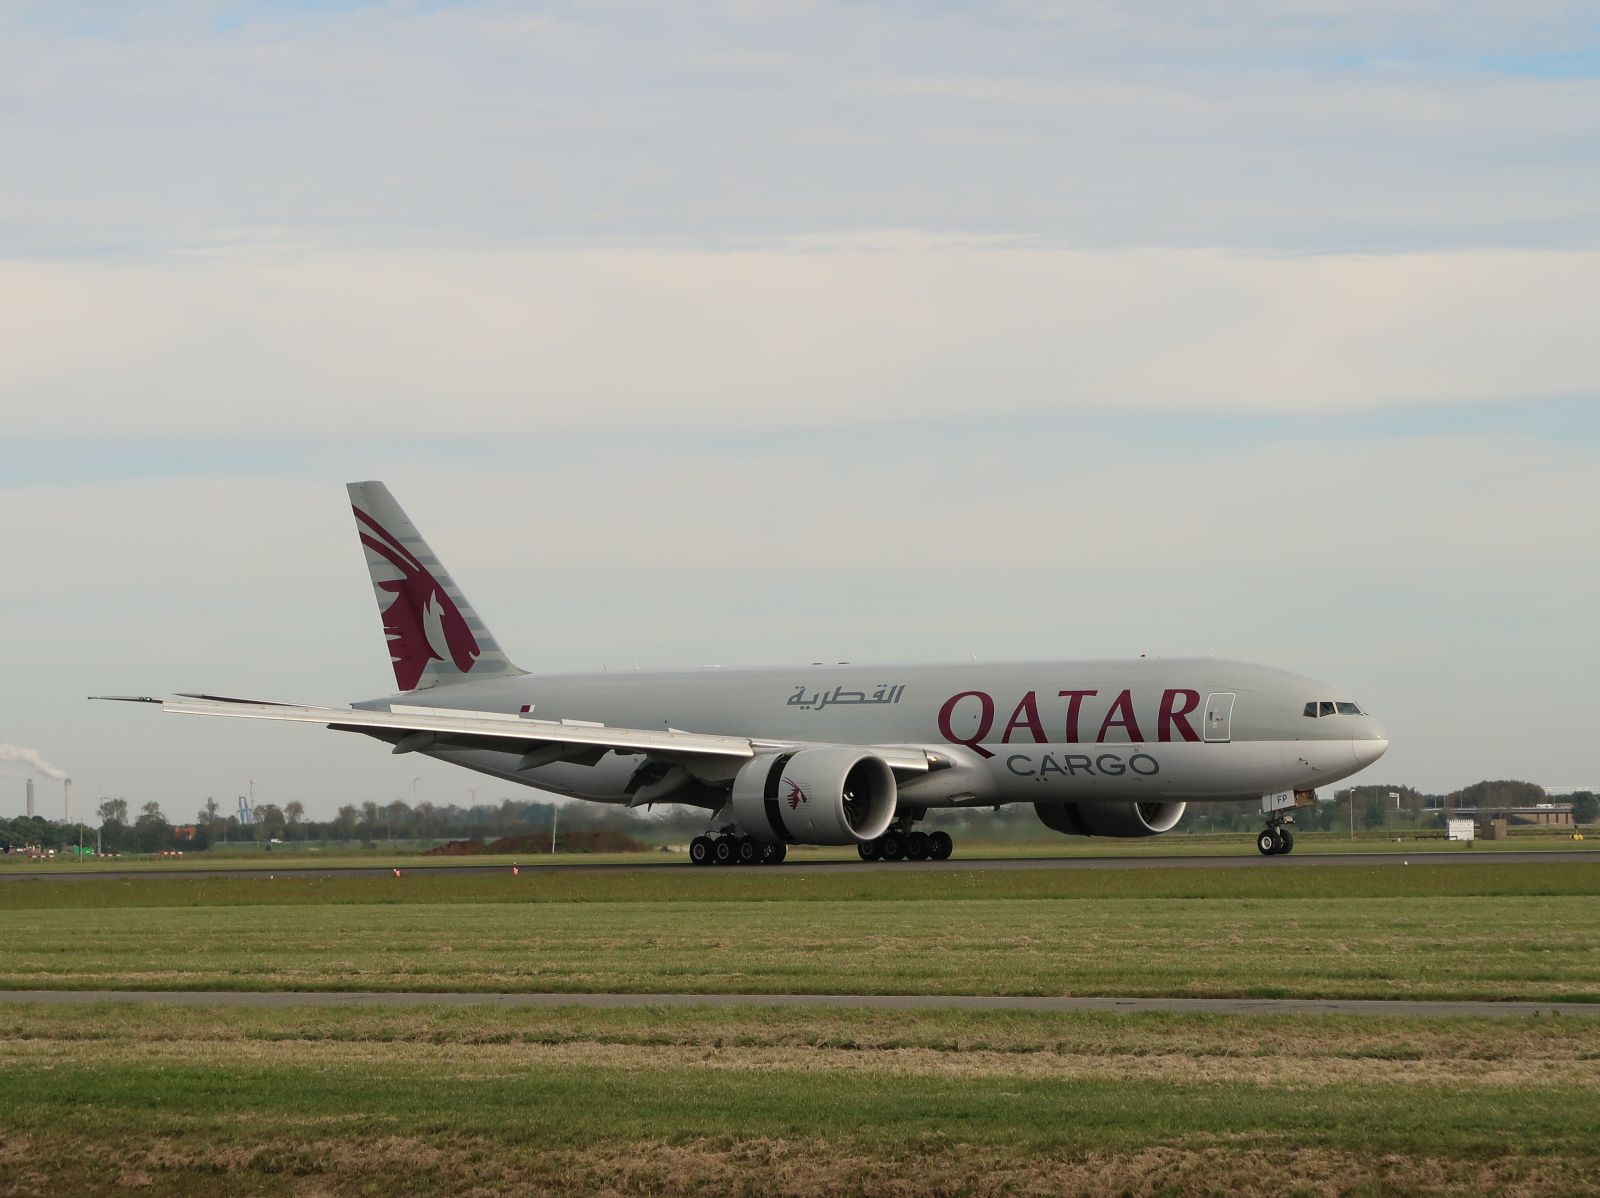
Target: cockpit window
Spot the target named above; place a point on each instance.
(1321, 707)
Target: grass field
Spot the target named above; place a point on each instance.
(361, 1101)
(323, 1101)
(1504, 931)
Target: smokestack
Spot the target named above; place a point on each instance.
(67, 786)
(31, 811)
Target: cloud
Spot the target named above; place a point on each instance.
(418, 346)
(1308, 128)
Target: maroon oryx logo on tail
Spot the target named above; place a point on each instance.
(796, 796)
(423, 623)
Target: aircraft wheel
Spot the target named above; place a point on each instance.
(773, 854)
(722, 850)
(892, 846)
(917, 846)
(1267, 842)
(746, 851)
(870, 850)
(940, 846)
(700, 851)
(1287, 838)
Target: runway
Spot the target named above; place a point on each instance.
(896, 1002)
(1240, 860)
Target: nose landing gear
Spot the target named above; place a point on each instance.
(1275, 839)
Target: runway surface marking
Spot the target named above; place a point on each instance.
(897, 1002)
(1251, 860)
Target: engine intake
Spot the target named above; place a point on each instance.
(1111, 819)
(815, 796)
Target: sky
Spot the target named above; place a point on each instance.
(751, 333)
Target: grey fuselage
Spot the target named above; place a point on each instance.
(1180, 729)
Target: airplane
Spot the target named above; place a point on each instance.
(836, 754)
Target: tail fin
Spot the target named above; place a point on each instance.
(435, 638)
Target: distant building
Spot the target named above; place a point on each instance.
(1555, 815)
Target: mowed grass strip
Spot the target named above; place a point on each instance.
(685, 884)
(1501, 932)
(673, 1101)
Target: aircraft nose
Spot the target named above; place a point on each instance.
(1368, 751)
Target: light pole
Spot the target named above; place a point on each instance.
(555, 816)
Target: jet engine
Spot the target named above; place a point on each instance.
(816, 796)
(1111, 819)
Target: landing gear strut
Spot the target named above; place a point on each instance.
(729, 848)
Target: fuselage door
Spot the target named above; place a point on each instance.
(1219, 716)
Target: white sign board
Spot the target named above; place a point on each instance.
(1459, 829)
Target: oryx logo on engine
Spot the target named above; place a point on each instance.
(796, 796)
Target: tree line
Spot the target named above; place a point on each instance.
(1371, 808)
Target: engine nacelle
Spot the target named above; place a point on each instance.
(815, 796)
(1111, 819)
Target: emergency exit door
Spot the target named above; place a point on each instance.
(1219, 716)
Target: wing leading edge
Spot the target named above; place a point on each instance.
(413, 728)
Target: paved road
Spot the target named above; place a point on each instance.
(1240, 860)
(898, 1002)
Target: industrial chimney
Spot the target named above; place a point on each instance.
(31, 811)
(67, 785)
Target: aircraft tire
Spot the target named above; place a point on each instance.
(773, 854)
(892, 846)
(870, 850)
(746, 851)
(917, 847)
(700, 851)
(1267, 842)
(722, 850)
(1286, 838)
(940, 846)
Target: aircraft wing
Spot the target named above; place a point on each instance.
(411, 728)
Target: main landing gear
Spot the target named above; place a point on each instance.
(727, 848)
(1275, 839)
(898, 844)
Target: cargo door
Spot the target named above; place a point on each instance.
(1219, 716)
